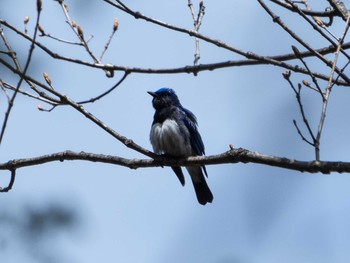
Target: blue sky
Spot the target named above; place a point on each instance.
(259, 214)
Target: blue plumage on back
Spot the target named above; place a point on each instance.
(174, 132)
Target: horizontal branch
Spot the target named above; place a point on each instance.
(238, 155)
(252, 59)
(249, 55)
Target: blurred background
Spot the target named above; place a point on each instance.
(91, 212)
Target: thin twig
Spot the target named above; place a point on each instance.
(22, 74)
(301, 107)
(14, 58)
(196, 54)
(278, 20)
(318, 88)
(115, 28)
(301, 134)
(50, 101)
(343, 69)
(327, 13)
(12, 181)
(197, 21)
(328, 91)
(2, 85)
(79, 32)
(340, 8)
(316, 27)
(190, 6)
(106, 92)
(62, 40)
(79, 35)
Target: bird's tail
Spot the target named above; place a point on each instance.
(201, 187)
(177, 170)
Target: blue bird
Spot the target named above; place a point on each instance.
(174, 133)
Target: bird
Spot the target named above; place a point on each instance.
(174, 133)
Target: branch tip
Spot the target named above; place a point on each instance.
(26, 20)
(12, 181)
(287, 74)
(296, 52)
(115, 24)
(39, 5)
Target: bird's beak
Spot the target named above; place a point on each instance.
(153, 94)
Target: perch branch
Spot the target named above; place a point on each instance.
(238, 155)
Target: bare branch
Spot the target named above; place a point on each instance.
(314, 26)
(46, 99)
(78, 31)
(22, 73)
(328, 13)
(301, 134)
(318, 88)
(328, 90)
(340, 8)
(238, 155)
(106, 92)
(301, 108)
(197, 21)
(253, 59)
(278, 20)
(115, 28)
(12, 181)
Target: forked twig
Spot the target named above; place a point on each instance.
(197, 21)
(297, 92)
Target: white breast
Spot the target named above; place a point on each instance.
(167, 138)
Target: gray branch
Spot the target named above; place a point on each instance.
(232, 156)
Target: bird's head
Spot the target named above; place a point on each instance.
(164, 97)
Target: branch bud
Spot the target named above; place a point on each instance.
(39, 5)
(286, 74)
(74, 24)
(80, 32)
(201, 4)
(41, 30)
(26, 20)
(306, 83)
(47, 78)
(115, 24)
(296, 51)
(318, 21)
(65, 6)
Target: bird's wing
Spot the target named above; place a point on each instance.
(195, 137)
